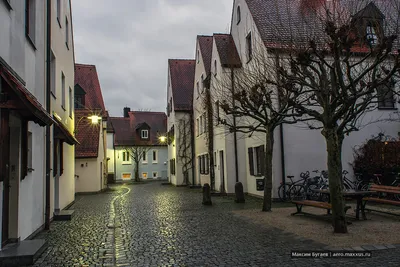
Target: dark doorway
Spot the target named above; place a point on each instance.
(222, 171)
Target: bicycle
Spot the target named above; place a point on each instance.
(287, 187)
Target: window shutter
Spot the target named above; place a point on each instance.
(24, 152)
(251, 161)
(61, 158)
(262, 160)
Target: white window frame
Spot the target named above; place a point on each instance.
(144, 136)
(152, 156)
(67, 32)
(372, 37)
(153, 175)
(147, 176)
(126, 162)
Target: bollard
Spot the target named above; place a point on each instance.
(207, 195)
(239, 195)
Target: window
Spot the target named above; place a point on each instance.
(155, 156)
(145, 134)
(70, 107)
(59, 12)
(66, 33)
(29, 163)
(197, 127)
(201, 124)
(217, 110)
(207, 164)
(79, 101)
(62, 90)
(155, 174)
(30, 20)
(204, 122)
(249, 47)
(204, 164)
(238, 15)
(256, 160)
(198, 56)
(144, 175)
(215, 67)
(385, 96)
(172, 166)
(53, 75)
(144, 157)
(198, 89)
(215, 159)
(125, 158)
(372, 37)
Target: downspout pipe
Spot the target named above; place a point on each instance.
(234, 126)
(281, 134)
(192, 145)
(48, 109)
(115, 166)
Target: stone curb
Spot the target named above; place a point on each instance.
(363, 248)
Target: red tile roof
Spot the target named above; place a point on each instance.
(227, 50)
(127, 134)
(87, 134)
(205, 46)
(86, 76)
(182, 83)
(285, 22)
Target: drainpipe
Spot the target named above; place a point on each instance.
(234, 125)
(48, 109)
(115, 165)
(282, 144)
(192, 145)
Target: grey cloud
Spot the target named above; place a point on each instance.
(131, 41)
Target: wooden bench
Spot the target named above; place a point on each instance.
(312, 203)
(382, 189)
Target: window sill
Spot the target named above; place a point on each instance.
(387, 108)
(144, 162)
(8, 5)
(126, 163)
(59, 23)
(30, 41)
(155, 162)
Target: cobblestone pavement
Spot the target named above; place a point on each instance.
(154, 225)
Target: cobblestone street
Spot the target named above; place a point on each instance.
(154, 225)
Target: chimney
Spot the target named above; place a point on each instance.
(126, 112)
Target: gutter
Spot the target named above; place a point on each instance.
(48, 109)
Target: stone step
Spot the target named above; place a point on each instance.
(63, 215)
(23, 253)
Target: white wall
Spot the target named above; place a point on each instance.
(64, 63)
(110, 152)
(88, 172)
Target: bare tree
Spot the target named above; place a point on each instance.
(185, 155)
(343, 66)
(254, 102)
(137, 152)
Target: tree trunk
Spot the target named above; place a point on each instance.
(137, 172)
(267, 170)
(334, 143)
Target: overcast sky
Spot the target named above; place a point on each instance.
(130, 42)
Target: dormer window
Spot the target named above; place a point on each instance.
(144, 134)
(372, 37)
(238, 15)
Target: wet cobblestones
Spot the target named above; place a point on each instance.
(154, 225)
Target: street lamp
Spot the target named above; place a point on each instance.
(94, 119)
(162, 138)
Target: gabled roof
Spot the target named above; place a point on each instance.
(286, 22)
(126, 129)
(205, 46)
(182, 82)
(87, 134)
(87, 78)
(227, 50)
